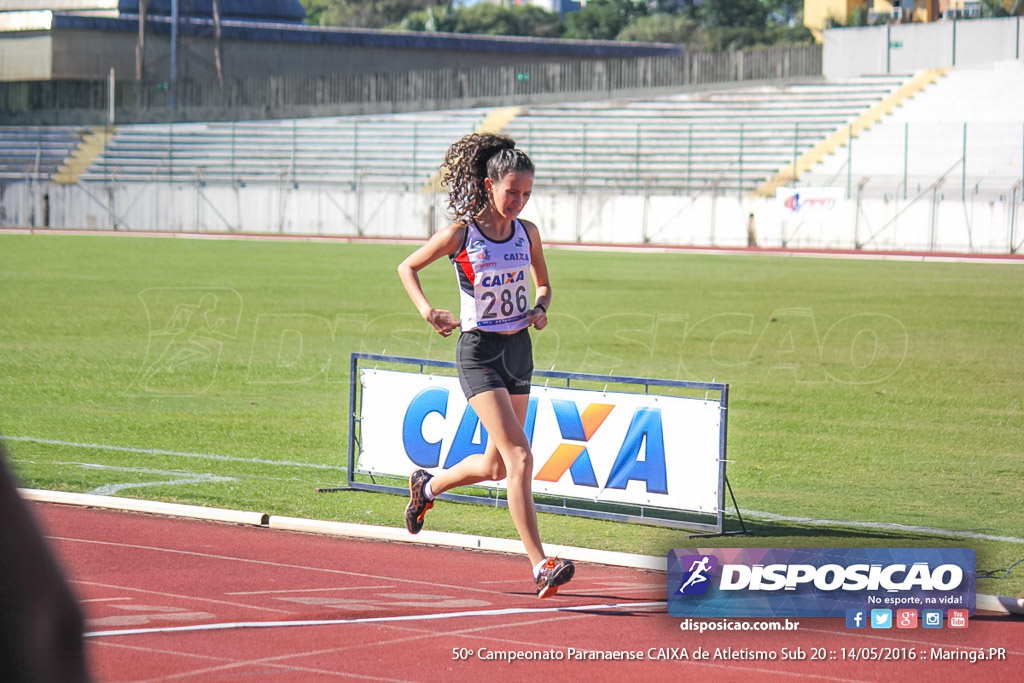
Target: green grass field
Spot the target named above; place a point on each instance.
(870, 391)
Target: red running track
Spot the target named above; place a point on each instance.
(143, 575)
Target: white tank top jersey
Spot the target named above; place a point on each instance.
(494, 280)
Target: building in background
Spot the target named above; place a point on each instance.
(817, 13)
(85, 39)
(561, 7)
(269, 11)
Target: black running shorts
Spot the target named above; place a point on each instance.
(491, 360)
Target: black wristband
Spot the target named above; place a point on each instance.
(541, 307)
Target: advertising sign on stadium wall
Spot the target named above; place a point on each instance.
(638, 449)
(803, 200)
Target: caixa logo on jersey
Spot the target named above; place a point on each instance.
(817, 582)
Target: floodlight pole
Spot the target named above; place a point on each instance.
(140, 49)
(217, 42)
(111, 99)
(174, 53)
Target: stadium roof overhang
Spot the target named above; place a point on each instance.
(275, 11)
(250, 30)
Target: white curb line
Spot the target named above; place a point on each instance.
(986, 603)
(137, 505)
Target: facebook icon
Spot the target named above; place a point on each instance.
(856, 618)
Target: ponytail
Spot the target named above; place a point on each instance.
(469, 161)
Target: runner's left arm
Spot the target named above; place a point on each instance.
(539, 269)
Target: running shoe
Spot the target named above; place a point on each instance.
(553, 574)
(418, 503)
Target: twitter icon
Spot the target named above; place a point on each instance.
(881, 618)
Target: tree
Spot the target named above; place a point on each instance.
(537, 21)
(688, 7)
(665, 28)
(999, 8)
(433, 19)
(497, 20)
(784, 11)
(603, 19)
(858, 17)
(734, 13)
(361, 13)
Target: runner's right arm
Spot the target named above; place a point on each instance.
(444, 243)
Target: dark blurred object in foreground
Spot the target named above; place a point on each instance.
(40, 622)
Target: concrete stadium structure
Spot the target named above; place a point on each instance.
(376, 175)
(920, 159)
(84, 39)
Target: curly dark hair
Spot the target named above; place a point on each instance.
(470, 160)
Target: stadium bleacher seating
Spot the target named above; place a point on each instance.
(401, 149)
(728, 139)
(724, 139)
(930, 127)
(36, 151)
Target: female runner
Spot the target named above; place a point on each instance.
(489, 182)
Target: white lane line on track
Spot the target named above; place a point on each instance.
(154, 650)
(310, 590)
(270, 661)
(421, 635)
(225, 662)
(104, 599)
(178, 454)
(505, 611)
(475, 632)
(608, 589)
(598, 583)
(183, 597)
(268, 563)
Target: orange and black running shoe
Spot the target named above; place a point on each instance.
(553, 574)
(418, 503)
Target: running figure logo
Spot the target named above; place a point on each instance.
(188, 328)
(695, 579)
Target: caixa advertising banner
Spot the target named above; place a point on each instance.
(817, 582)
(640, 449)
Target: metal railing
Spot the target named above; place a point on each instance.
(981, 159)
(63, 101)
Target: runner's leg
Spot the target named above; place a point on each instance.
(486, 466)
(500, 415)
